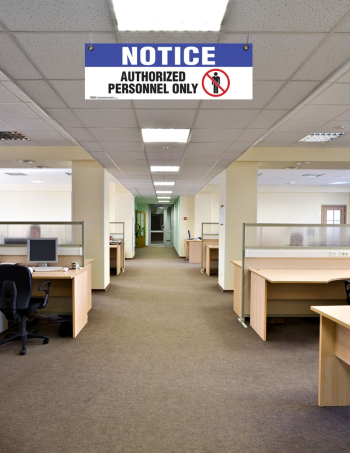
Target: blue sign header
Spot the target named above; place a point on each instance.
(168, 55)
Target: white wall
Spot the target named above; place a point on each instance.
(186, 210)
(24, 203)
(125, 212)
(206, 208)
(297, 204)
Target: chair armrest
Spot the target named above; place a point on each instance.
(47, 292)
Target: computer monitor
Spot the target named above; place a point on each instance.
(189, 234)
(42, 251)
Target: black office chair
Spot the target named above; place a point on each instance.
(16, 302)
(347, 289)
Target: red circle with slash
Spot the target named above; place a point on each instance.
(219, 86)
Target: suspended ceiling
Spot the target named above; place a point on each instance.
(297, 46)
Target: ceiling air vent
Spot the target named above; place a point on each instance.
(313, 175)
(13, 136)
(16, 174)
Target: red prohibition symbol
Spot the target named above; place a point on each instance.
(216, 83)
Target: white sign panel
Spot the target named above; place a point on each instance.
(168, 71)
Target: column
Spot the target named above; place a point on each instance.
(90, 203)
(238, 196)
(125, 212)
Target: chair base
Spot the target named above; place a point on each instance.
(23, 336)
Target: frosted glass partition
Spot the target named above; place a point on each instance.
(286, 245)
(70, 235)
(210, 236)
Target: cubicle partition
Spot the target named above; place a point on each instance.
(288, 246)
(70, 235)
(210, 236)
(117, 238)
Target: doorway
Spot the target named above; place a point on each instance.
(161, 225)
(333, 215)
(140, 229)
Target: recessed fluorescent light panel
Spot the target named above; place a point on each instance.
(164, 201)
(161, 198)
(164, 183)
(165, 135)
(164, 191)
(162, 168)
(321, 136)
(13, 136)
(179, 15)
(38, 182)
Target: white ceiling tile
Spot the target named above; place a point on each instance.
(251, 135)
(157, 147)
(267, 118)
(214, 135)
(116, 135)
(43, 135)
(14, 62)
(326, 60)
(106, 117)
(214, 148)
(277, 56)
(73, 93)
(91, 146)
(160, 156)
(122, 146)
(291, 95)
(337, 93)
(343, 117)
(59, 55)
(54, 143)
(285, 137)
(299, 126)
(5, 127)
(319, 113)
(341, 142)
(165, 37)
(80, 134)
(167, 119)
(36, 124)
(296, 16)
(346, 77)
(65, 117)
(127, 156)
(334, 126)
(266, 144)
(21, 143)
(43, 94)
(16, 111)
(6, 97)
(18, 92)
(166, 104)
(38, 111)
(205, 157)
(263, 92)
(80, 15)
(221, 119)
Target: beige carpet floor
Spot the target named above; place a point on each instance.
(164, 366)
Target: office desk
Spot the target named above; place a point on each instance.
(193, 251)
(70, 293)
(115, 254)
(211, 253)
(334, 363)
(287, 292)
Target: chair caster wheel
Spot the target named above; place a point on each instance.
(46, 340)
(23, 351)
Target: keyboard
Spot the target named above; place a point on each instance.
(47, 269)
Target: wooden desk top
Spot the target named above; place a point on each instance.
(338, 313)
(59, 275)
(302, 275)
(193, 240)
(114, 246)
(237, 263)
(212, 246)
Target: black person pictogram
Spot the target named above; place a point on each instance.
(217, 80)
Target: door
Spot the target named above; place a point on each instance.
(333, 215)
(140, 229)
(157, 225)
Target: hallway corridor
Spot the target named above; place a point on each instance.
(163, 366)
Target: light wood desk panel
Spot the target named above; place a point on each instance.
(193, 251)
(211, 253)
(115, 256)
(334, 362)
(278, 292)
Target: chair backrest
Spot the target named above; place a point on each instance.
(22, 278)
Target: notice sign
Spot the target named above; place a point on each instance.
(168, 71)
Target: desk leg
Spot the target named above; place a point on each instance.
(334, 373)
(258, 305)
(207, 261)
(80, 301)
